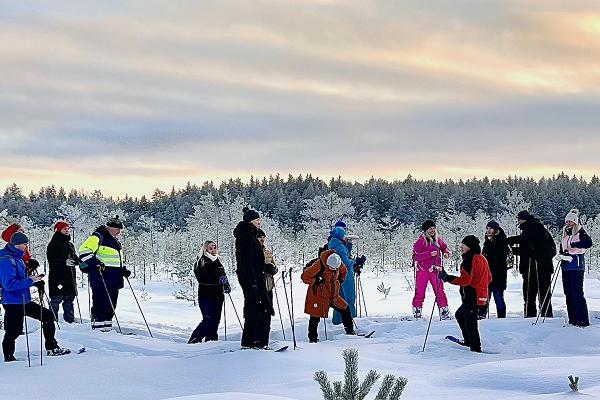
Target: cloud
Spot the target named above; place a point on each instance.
(135, 90)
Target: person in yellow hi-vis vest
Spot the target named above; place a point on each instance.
(102, 258)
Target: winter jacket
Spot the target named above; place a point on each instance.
(61, 278)
(496, 252)
(249, 257)
(13, 276)
(270, 268)
(8, 232)
(323, 293)
(336, 244)
(208, 274)
(474, 280)
(575, 244)
(535, 246)
(102, 247)
(422, 253)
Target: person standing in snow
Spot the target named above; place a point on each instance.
(212, 284)
(496, 251)
(62, 260)
(324, 278)
(31, 263)
(474, 280)
(574, 243)
(250, 271)
(270, 272)
(428, 251)
(339, 243)
(16, 299)
(102, 252)
(536, 249)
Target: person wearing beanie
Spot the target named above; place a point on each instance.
(212, 287)
(339, 242)
(428, 251)
(16, 299)
(535, 247)
(102, 257)
(250, 271)
(30, 263)
(62, 276)
(474, 280)
(324, 279)
(496, 251)
(270, 272)
(573, 245)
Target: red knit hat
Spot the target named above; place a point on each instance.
(8, 232)
(60, 225)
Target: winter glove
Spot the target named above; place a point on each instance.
(225, 282)
(32, 266)
(126, 273)
(71, 263)
(101, 267)
(361, 260)
(358, 268)
(443, 276)
(40, 286)
(270, 268)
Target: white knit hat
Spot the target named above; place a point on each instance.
(573, 216)
(334, 261)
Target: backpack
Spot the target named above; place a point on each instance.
(318, 258)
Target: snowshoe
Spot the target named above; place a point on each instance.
(57, 351)
(417, 312)
(445, 314)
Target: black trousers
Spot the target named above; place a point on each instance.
(466, 316)
(13, 325)
(536, 287)
(313, 323)
(211, 308)
(256, 319)
(265, 327)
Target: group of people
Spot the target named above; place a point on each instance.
(330, 278)
(483, 271)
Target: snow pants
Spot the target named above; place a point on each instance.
(576, 304)
(423, 278)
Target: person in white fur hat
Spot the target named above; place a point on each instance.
(575, 241)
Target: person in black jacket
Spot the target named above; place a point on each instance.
(536, 249)
(62, 260)
(496, 250)
(250, 271)
(212, 283)
(270, 272)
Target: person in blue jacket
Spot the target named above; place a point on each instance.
(339, 243)
(16, 299)
(574, 243)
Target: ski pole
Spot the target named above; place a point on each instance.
(289, 309)
(26, 330)
(76, 294)
(551, 293)
(89, 301)
(292, 301)
(54, 315)
(323, 310)
(548, 292)
(225, 317)
(41, 328)
(110, 300)
(362, 296)
(236, 313)
(279, 310)
(434, 304)
(139, 307)
(357, 294)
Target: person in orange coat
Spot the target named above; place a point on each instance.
(474, 280)
(324, 278)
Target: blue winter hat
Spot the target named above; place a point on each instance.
(19, 238)
(340, 224)
(339, 233)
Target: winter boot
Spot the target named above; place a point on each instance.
(97, 324)
(9, 358)
(445, 314)
(107, 326)
(501, 312)
(417, 312)
(58, 351)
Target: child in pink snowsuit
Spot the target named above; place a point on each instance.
(427, 253)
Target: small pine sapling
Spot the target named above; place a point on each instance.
(574, 383)
(384, 290)
(352, 389)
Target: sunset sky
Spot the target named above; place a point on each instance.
(125, 96)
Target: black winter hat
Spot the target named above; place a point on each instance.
(494, 225)
(472, 242)
(250, 215)
(260, 233)
(524, 215)
(427, 224)
(115, 223)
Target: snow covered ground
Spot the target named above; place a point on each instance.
(532, 362)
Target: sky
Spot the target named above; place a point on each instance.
(126, 96)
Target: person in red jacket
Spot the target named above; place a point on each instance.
(474, 280)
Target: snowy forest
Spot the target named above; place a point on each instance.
(165, 232)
